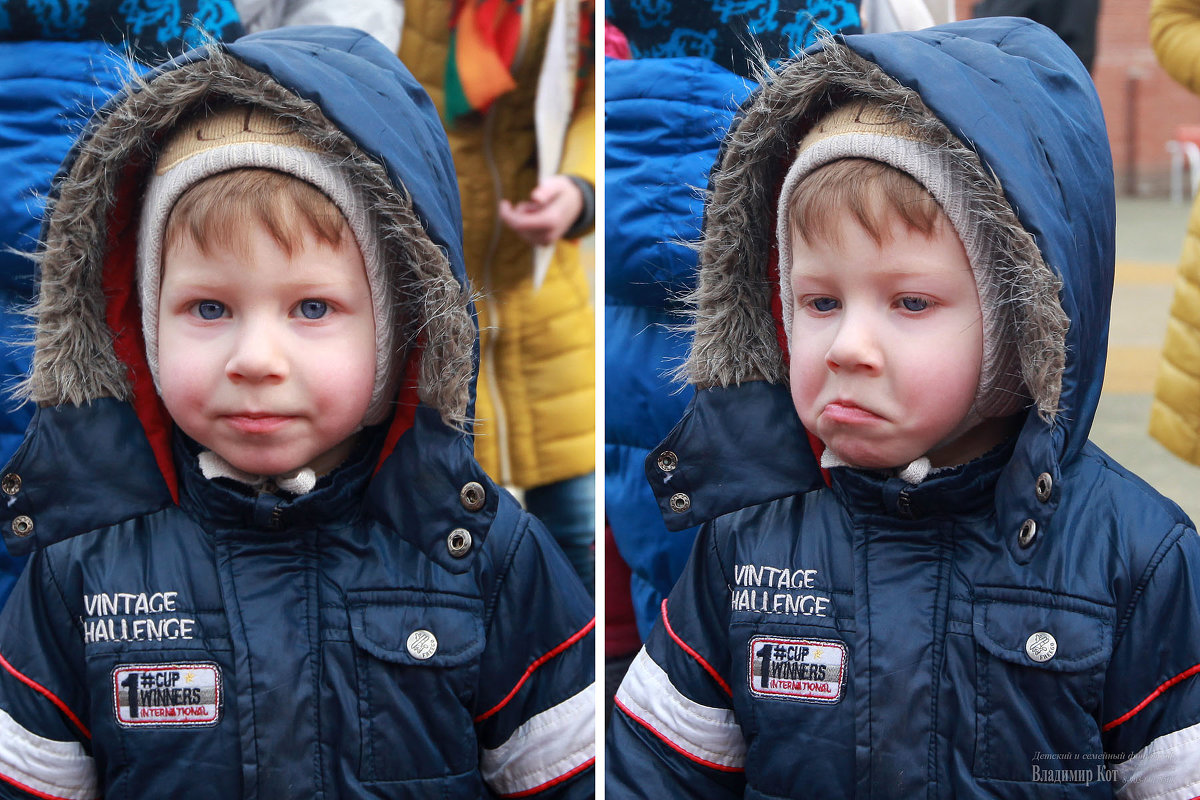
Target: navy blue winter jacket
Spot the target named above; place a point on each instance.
(1026, 625)
(404, 630)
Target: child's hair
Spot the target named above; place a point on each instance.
(214, 212)
(872, 192)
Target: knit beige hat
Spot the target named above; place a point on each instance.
(861, 129)
(249, 137)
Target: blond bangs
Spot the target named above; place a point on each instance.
(214, 212)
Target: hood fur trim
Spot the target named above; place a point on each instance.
(74, 360)
(734, 332)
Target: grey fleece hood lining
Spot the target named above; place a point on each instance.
(735, 333)
(75, 359)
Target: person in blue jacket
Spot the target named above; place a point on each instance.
(264, 562)
(915, 576)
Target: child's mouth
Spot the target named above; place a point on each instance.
(847, 412)
(257, 423)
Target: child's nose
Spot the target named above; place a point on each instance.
(257, 354)
(855, 345)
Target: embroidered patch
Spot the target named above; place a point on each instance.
(167, 695)
(808, 670)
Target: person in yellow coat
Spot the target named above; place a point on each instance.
(513, 80)
(1175, 413)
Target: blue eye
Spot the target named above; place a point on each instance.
(824, 304)
(915, 303)
(313, 309)
(210, 309)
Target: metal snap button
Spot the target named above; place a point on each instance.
(472, 496)
(1044, 484)
(667, 461)
(22, 526)
(1028, 533)
(1041, 646)
(459, 542)
(680, 502)
(10, 484)
(421, 644)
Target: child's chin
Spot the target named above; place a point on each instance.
(265, 466)
(873, 458)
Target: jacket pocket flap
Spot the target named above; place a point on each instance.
(422, 629)
(1042, 630)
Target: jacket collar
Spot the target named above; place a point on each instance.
(428, 486)
(740, 446)
(431, 486)
(226, 503)
(54, 488)
(735, 447)
(961, 490)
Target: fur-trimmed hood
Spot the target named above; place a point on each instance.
(350, 97)
(1049, 165)
(357, 102)
(1021, 117)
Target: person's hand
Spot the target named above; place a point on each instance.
(552, 207)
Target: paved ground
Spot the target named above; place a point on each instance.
(1149, 237)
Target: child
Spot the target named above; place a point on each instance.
(264, 562)
(916, 578)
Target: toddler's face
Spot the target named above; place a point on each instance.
(267, 359)
(886, 343)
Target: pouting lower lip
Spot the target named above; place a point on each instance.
(846, 411)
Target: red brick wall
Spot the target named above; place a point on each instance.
(1142, 105)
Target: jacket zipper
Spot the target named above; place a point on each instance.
(489, 355)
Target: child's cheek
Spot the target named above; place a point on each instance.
(185, 378)
(340, 373)
(804, 387)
